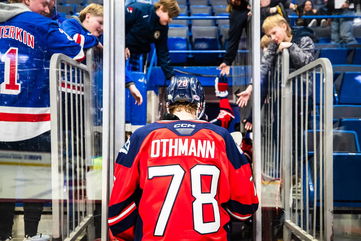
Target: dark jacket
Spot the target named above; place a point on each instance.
(237, 22)
(265, 10)
(142, 28)
(302, 52)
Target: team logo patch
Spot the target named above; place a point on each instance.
(156, 34)
(125, 148)
(129, 9)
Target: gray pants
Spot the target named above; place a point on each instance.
(341, 29)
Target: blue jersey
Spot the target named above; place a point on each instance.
(74, 29)
(27, 42)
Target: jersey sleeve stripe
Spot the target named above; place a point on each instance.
(120, 228)
(18, 117)
(122, 215)
(79, 39)
(242, 209)
(238, 216)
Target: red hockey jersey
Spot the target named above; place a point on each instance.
(180, 180)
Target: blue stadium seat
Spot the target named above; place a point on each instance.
(77, 2)
(200, 10)
(335, 55)
(323, 34)
(182, 2)
(351, 125)
(205, 38)
(346, 111)
(183, 10)
(77, 7)
(343, 141)
(178, 40)
(220, 10)
(223, 30)
(357, 56)
(198, 2)
(66, 8)
(218, 2)
(179, 23)
(223, 22)
(350, 92)
(203, 22)
(357, 32)
(346, 179)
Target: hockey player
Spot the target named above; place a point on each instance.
(169, 174)
(27, 42)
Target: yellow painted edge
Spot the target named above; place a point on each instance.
(25, 164)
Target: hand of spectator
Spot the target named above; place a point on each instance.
(273, 10)
(136, 94)
(244, 96)
(345, 5)
(284, 45)
(100, 46)
(248, 126)
(127, 53)
(293, 6)
(224, 68)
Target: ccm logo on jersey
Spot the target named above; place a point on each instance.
(184, 126)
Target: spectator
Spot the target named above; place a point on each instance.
(28, 40)
(146, 24)
(341, 28)
(301, 49)
(271, 7)
(238, 19)
(170, 173)
(87, 28)
(265, 41)
(307, 9)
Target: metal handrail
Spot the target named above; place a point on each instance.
(70, 147)
(289, 16)
(297, 171)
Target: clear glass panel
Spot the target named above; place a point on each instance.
(32, 182)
